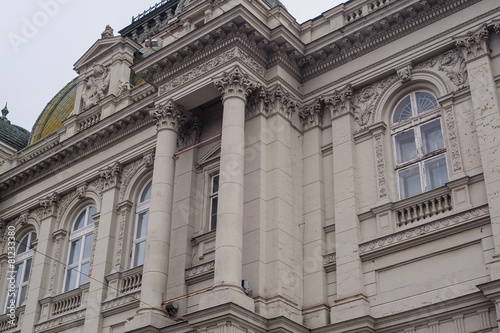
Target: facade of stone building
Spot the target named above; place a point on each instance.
(218, 167)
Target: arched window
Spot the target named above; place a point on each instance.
(141, 226)
(419, 144)
(24, 255)
(80, 246)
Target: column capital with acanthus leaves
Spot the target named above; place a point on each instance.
(168, 115)
(235, 83)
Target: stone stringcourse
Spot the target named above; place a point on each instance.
(121, 304)
(407, 237)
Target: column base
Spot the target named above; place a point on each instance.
(349, 308)
(148, 320)
(224, 294)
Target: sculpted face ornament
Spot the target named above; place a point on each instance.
(96, 86)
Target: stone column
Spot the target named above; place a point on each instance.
(103, 243)
(351, 301)
(234, 87)
(485, 104)
(156, 259)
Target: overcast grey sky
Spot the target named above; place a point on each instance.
(42, 39)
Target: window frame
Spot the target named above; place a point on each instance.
(83, 234)
(23, 258)
(141, 207)
(415, 123)
(213, 195)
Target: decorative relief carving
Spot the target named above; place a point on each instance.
(123, 88)
(379, 157)
(95, 86)
(340, 102)
(63, 205)
(121, 233)
(215, 62)
(456, 159)
(267, 102)
(71, 317)
(428, 228)
(404, 73)
(108, 32)
(92, 251)
(110, 176)
(453, 64)
(55, 259)
(128, 173)
(81, 191)
(148, 159)
(168, 115)
(330, 262)
(200, 269)
(235, 83)
(311, 115)
(120, 301)
(366, 100)
(475, 44)
(189, 133)
(49, 205)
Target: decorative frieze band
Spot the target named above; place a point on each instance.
(74, 319)
(200, 272)
(369, 249)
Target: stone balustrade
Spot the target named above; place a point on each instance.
(89, 120)
(68, 302)
(6, 322)
(124, 282)
(421, 210)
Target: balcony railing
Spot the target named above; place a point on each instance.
(125, 282)
(424, 209)
(61, 304)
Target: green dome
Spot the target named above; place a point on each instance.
(12, 135)
(56, 111)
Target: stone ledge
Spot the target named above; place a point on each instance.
(424, 233)
(120, 304)
(62, 323)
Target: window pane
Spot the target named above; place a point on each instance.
(84, 273)
(33, 238)
(406, 148)
(213, 214)
(425, 101)
(139, 250)
(23, 244)
(409, 182)
(215, 184)
(436, 172)
(146, 193)
(19, 269)
(70, 279)
(27, 270)
(403, 110)
(80, 221)
(92, 211)
(74, 251)
(88, 246)
(142, 225)
(432, 138)
(22, 295)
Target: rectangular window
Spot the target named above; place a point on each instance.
(409, 182)
(214, 193)
(406, 148)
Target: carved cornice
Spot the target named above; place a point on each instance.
(475, 44)
(76, 148)
(362, 41)
(168, 116)
(49, 205)
(235, 83)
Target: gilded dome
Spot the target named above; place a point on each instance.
(55, 112)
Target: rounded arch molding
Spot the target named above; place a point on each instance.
(390, 95)
(23, 223)
(73, 202)
(134, 176)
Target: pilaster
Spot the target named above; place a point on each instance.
(103, 243)
(351, 301)
(486, 109)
